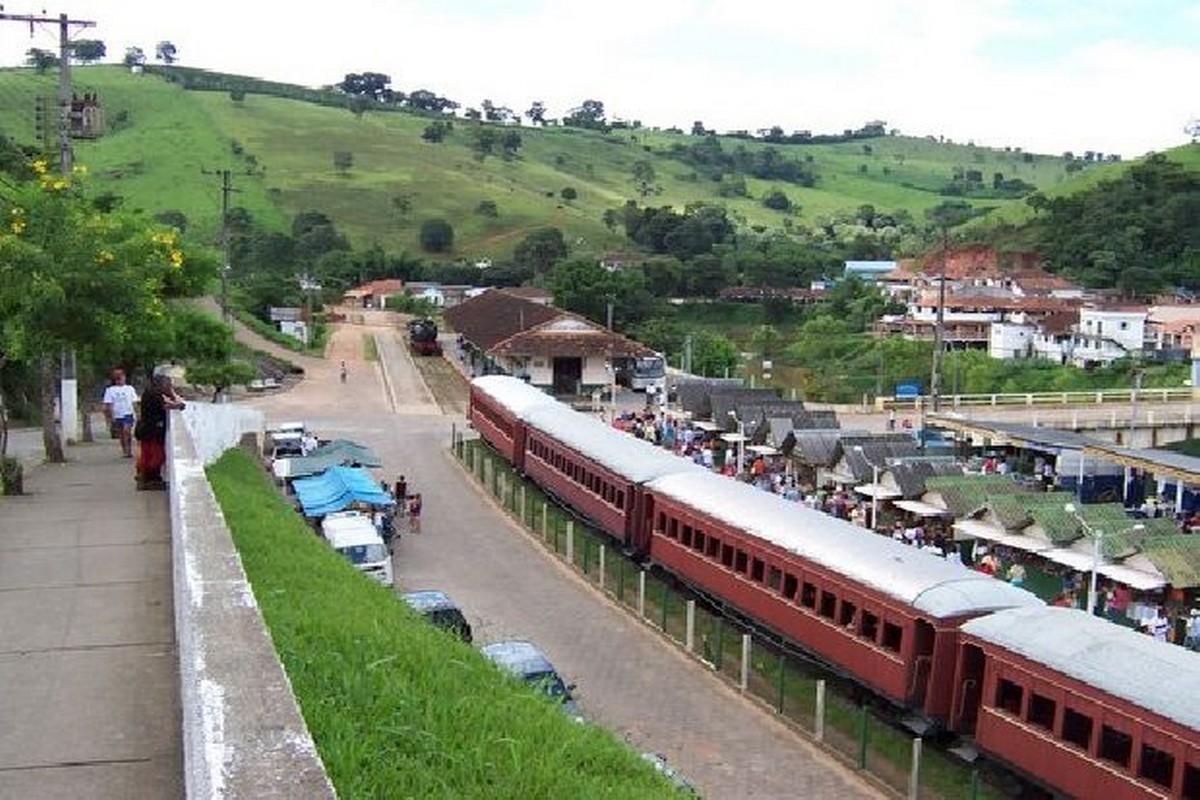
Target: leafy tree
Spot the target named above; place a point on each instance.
(41, 60)
(777, 201)
(713, 354)
(343, 160)
(173, 218)
(698, 129)
(589, 114)
(643, 177)
(568, 193)
(425, 100)
(73, 277)
(437, 236)
(541, 250)
(220, 375)
(134, 57)
(537, 113)
(487, 208)
(237, 95)
(510, 144)
(436, 131)
(372, 85)
(166, 52)
(402, 203)
(87, 51)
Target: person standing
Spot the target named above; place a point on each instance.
(158, 400)
(400, 494)
(120, 405)
(414, 513)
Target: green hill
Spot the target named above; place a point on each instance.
(164, 145)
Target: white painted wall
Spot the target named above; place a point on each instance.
(216, 428)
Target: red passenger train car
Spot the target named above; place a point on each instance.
(877, 610)
(1087, 707)
(494, 408)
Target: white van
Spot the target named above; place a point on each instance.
(354, 536)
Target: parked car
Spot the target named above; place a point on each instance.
(527, 662)
(438, 608)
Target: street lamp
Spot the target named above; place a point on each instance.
(741, 443)
(1097, 539)
(874, 491)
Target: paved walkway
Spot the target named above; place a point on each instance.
(89, 700)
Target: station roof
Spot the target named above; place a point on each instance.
(1159, 462)
(1035, 437)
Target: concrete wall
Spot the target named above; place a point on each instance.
(243, 734)
(216, 428)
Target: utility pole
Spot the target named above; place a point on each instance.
(935, 378)
(68, 382)
(226, 247)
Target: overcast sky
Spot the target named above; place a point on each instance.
(1114, 76)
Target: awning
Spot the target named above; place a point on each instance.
(877, 491)
(974, 529)
(922, 509)
(705, 425)
(762, 450)
(1134, 578)
(1080, 562)
(336, 489)
(734, 438)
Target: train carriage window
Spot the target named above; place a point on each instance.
(808, 595)
(714, 547)
(673, 528)
(828, 605)
(893, 636)
(1077, 728)
(846, 614)
(756, 569)
(661, 527)
(727, 555)
(1157, 766)
(774, 578)
(698, 544)
(1009, 696)
(1191, 782)
(621, 500)
(869, 629)
(687, 536)
(1042, 711)
(740, 562)
(1115, 746)
(790, 585)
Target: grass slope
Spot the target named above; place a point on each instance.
(162, 139)
(398, 708)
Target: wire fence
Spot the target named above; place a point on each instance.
(828, 710)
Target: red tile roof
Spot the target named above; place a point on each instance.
(489, 318)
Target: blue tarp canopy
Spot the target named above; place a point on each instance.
(336, 489)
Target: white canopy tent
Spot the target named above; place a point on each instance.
(922, 509)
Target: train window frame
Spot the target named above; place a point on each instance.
(621, 499)
(698, 541)
(758, 570)
(868, 625)
(1162, 775)
(1190, 787)
(741, 561)
(791, 585)
(713, 549)
(808, 595)
(828, 606)
(1009, 696)
(686, 537)
(774, 578)
(727, 555)
(1077, 728)
(847, 614)
(1113, 743)
(892, 637)
(1043, 711)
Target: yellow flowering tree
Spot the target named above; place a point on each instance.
(76, 277)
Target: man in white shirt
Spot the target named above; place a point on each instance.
(120, 403)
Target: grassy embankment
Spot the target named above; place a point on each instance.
(396, 707)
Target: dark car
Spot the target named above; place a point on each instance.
(438, 608)
(527, 662)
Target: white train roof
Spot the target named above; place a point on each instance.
(624, 454)
(925, 581)
(513, 393)
(1160, 677)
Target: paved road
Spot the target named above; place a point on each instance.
(629, 680)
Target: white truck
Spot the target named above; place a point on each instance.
(352, 534)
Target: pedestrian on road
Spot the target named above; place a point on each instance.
(401, 495)
(151, 431)
(414, 513)
(343, 372)
(120, 403)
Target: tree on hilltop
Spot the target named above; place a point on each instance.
(134, 57)
(590, 114)
(41, 60)
(87, 51)
(165, 52)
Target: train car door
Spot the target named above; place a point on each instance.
(640, 524)
(969, 690)
(922, 661)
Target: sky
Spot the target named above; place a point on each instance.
(1048, 76)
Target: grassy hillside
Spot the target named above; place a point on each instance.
(163, 139)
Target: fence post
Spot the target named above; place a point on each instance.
(689, 633)
(571, 542)
(779, 683)
(862, 737)
(475, 462)
(453, 435)
(819, 712)
(642, 593)
(973, 794)
(524, 520)
(914, 775)
(744, 682)
(666, 595)
(720, 659)
(621, 579)
(602, 568)
(545, 519)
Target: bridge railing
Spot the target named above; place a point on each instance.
(1180, 394)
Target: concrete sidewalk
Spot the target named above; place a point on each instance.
(89, 695)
